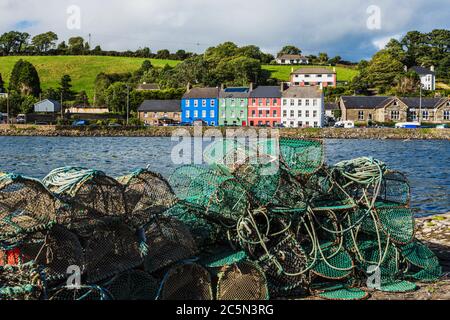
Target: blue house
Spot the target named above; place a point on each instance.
(201, 104)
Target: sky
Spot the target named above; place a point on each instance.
(353, 29)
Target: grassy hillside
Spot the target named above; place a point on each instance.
(84, 69)
(283, 72)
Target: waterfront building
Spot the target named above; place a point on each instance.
(200, 104)
(305, 77)
(233, 106)
(47, 106)
(160, 112)
(302, 107)
(395, 109)
(264, 106)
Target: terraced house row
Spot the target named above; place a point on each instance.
(299, 103)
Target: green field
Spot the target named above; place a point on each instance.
(84, 69)
(283, 72)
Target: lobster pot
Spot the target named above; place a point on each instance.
(395, 190)
(133, 285)
(187, 282)
(56, 250)
(147, 195)
(242, 281)
(301, 157)
(26, 206)
(90, 192)
(110, 250)
(292, 278)
(169, 241)
(84, 293)
(24, 282)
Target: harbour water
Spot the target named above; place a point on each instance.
(426, 163)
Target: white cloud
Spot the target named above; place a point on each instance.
(380, 43)
(336, 27)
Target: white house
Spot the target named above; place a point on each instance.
(312, 76)
(427, 77)
(292, 59)
(47, 106)
(303, 107)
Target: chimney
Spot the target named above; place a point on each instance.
(432, 68)
(282, 86)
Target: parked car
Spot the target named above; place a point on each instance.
(443, 126)
(345, 124)
(21, 119)
(80, 123)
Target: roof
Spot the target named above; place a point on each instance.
(160, 106)
(266, 92)
(331, 106)
(234, 93)
(202, 93)
(364, 102)
(291, 57)
(421, 70)
(302, 92)
(314, 71)
(427, 103)
(148, 86)
(56, 103)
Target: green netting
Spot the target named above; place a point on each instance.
(421, 257)
(223, 259)
(399, 286)
(345, 294)
(333, 263)
(397, 223)
(302, 157)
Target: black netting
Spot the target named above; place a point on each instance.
(133, 285)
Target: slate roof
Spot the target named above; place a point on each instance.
(421, 70)
(291, 57)
(302, 92)
(331, 106)
(266, 92)
(363, 102)
(238, 93)
(202, 93)
(160, 106)
(314, 71)
(427, 103)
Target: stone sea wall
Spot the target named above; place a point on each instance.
(311, 133)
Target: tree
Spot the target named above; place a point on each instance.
(76, 45)
(65, 88)
(408, 83)
(44, 41)
(163, 54)
(383, 70)
(13, 42)
(323, 58)
(395, 49)
(215, 55)
(27, 105)
(25, 79)
(62, 47)
(116, 97)
(51, 94)
(2, 84)
(290, 49)
(334, 61)
(81, 99)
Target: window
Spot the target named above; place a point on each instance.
(307, 102)
(307, 75)
(242, 103)
(242, 114)
(284, 102)
(316, 124)
(292, 102)
(300, 124)
(307, 124)
(330, 76)
(188, 114)
(292, 123)
(447, 115)
(300, 102)
(260, 102)
(267, 113)
(370, 117)
(395, 115)
(195, 114)
(212, 114)
(188, 103)
(284, 113)
(299, 113)
(413, 115)
(307, 113)
(260, 113)
(195, 103)
(267, 102)
(315, 114)
(213, 103)
(253, 101)
(425, 115)
(275, 102)
(361, 115)
(319, 76)
(253, 113)
(292, 113)
(204, 103)
(145, 115)
(204, 114)
(233, 102)
(275, 113)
